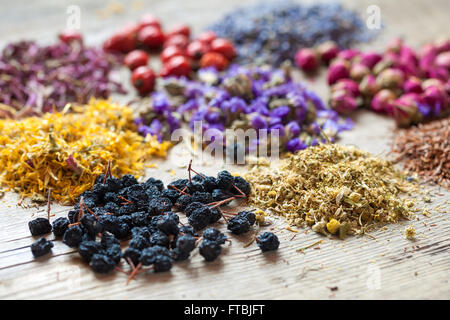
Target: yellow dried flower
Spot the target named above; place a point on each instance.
(410, 232)
(333, 226)
(67, 151)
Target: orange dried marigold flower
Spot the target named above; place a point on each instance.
(67, 151)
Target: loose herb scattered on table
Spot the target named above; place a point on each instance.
(425, 150)
(36, 79)
(333, 189)
(65, 151)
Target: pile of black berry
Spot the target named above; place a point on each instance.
(122, 209)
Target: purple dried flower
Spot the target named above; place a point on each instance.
(295, 144)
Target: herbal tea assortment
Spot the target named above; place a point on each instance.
(63, 138)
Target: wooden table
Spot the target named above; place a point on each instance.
(387, 267)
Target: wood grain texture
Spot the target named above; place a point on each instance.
(405, 269)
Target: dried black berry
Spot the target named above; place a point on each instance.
(154, 182)
(188, 230)
(267, 241)
(60, 226)
(91, 224)
(140, 231)
(179, 255)
(41, 247)
(238, 225)
(114, 252)
(162, 263)
(127, 181)
(185, 243)
(122, 232)
(183, 201)
(39, 226)
(214, 235)
(224, 180)
(148, 255)
(133, 254)
(108, 240)
(199, 218)
(157, 206)
(203, 197)
(210, 250)
(209, 184)
(250, 216)
(219, 195)
(193, 206)
(159, 239)
(101, 263)
(179, 184)
(139, 242)
(168, 224)
(242, 184)
(88, 248)
(112, 207)
(140, 219)
(215, 216)
(193, 187)
(110, 223)
(72, 215)
(172, 194)
(73, 236)
(111, 197)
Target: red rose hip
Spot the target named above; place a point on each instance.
(151, 37)
(135, 58)
(196, 49)
(214, 59)
(171, 52)
(143, 79)
(179, 29)
(224, 47)
(176, 66)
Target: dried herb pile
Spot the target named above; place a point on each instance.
(260, 98)
(333, 189)
(36, 79)
(425, 150)
(273, 31)
(65, 152)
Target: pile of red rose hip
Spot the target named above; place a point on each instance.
(410, 86)
(178, 52)
(122, 209)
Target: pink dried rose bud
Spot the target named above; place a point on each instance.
(370, 59)
(412, 84)
(343, 102)
(328, 51)
(306, 59)
(436, 98)
(358, 71)
(405, 110)
(348, 54)
(383, 101)
(443, 60)
(347, 85)
(368, 86)
(391, 78)
(395, 45)
(383, 64)
(338, 70)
